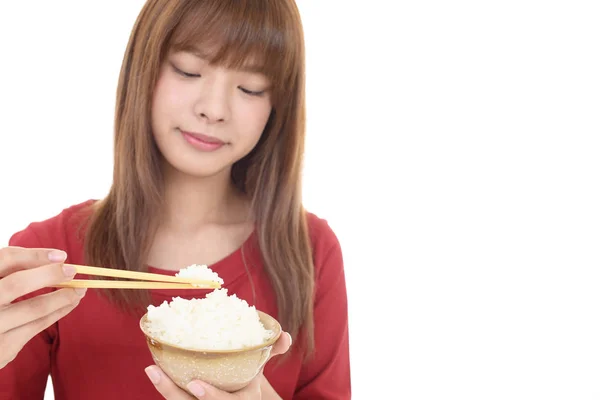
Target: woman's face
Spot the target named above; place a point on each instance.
(205, 117)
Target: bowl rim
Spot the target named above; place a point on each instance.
(261, 346)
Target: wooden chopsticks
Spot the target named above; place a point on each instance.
(141, 280)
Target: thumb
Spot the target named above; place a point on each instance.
(203, 390)
(282, 345)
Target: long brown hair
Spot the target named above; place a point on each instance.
(267, 32)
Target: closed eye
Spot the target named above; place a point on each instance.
(185, 74)
(251, 93)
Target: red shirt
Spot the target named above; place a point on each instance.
(98, 352)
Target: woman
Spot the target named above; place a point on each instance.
(209, 139)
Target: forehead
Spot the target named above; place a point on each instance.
(253, 36)
(250, 63)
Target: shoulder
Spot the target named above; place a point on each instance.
(325, 244)
(320, 232)
(62, 231)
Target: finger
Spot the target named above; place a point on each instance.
(203, 390)
(23, 312)
(282, 344)
(23, 334)
(15, 258)
(165, 386)
(23, 282)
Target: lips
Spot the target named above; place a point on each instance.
(202, 142)
(204, 138)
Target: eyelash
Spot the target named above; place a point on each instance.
(185, 74)
(246, 91)
(250, 92)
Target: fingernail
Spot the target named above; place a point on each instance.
(290, 336)
(69, 270)
(57, 256)
(196, 389)
(153, 375)
(80, 291)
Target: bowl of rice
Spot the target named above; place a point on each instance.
(218, 339)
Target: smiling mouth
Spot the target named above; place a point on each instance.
(203, 138)
(204, 143)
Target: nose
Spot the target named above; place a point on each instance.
(213, 102)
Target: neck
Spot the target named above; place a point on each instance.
(191, 202)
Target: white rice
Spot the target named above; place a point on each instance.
(217, 322)
(200, 272)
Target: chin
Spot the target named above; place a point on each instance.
(181, 160)
(200, 170)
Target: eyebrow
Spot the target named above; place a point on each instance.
(250, 68)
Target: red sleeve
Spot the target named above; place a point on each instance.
(26, 376)
(327, 374)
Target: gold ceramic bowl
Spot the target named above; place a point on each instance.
(228, 370)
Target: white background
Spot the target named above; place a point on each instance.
(453, 147)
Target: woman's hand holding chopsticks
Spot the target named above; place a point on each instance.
(24, 271)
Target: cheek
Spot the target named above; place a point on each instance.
(256, 117)
(167, 104)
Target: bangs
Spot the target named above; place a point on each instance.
(242, 35)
